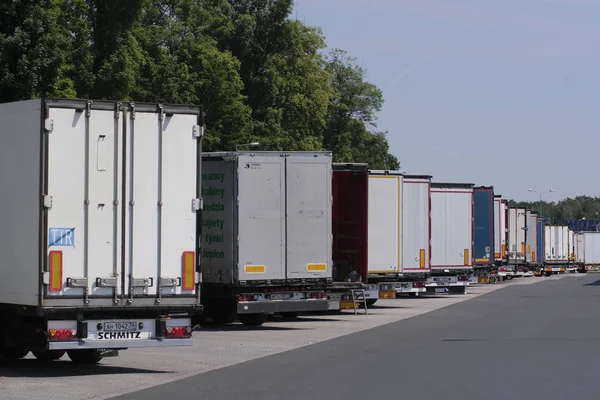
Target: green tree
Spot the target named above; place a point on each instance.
(284, 81)
(182, 64)
(352, 111)
(34, 49)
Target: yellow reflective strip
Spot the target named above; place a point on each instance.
(189, 276)
(422, 258)
(316, 267)
(254, 269)
(466, 260)
(56, 271)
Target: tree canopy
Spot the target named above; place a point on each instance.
(260, 74)
(569, 209)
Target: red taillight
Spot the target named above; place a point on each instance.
(419, 285)
(56, 335)
(463, 278)
(245, 298)
(317, 295)
(179, 332)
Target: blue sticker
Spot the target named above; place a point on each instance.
(61, 237)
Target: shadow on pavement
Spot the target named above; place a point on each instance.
(234, 327)
(32, 368)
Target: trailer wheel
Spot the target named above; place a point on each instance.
(370, 302)
(221, 318)
(85, 356)
(289, 315)
(252, 319)
(13, 353)
(49, 355)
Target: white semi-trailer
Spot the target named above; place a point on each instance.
(101, 218)
(267, 235)
(451, 237)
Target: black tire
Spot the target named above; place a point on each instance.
(49, 355)
(370, 302)
(88, 357)
(221, 318)
(252, 319)
(289, 315)
(13, 353)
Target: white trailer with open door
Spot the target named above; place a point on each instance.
(101, 218)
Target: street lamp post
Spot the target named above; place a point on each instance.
(541, 193)
(251, 144)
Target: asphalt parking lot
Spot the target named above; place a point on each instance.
(215, 347)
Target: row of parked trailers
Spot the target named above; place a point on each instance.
(399, 233)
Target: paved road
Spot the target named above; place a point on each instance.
(529, 342)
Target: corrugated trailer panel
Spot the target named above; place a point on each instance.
(565, 243)
(104, 199)
(575, 245)
(531, 237)
(451, 226)
(512, 233)
(499, 229)
(580, 257)
(571, 245)
(497, 236)
(308, 197)
(385, 222)
(591, 253)
(282, 198)
(350, 219)
(548, 243)
(521, 234)
(564, 235)
(483, 225)
(219, 227)
(21, 248)
(516, 235)
(416, 224)
(540, 253)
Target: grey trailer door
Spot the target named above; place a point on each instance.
(309, 208)
(261, 219)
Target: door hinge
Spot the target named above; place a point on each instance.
(197, 204)
(48, 201)
(132, 113)
(49, 125)
(197, 131)
(117, 110)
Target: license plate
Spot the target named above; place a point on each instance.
(441, 290)
(121, 326)
(442, 279)
(280, 296)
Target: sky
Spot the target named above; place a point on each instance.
(491, 92)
